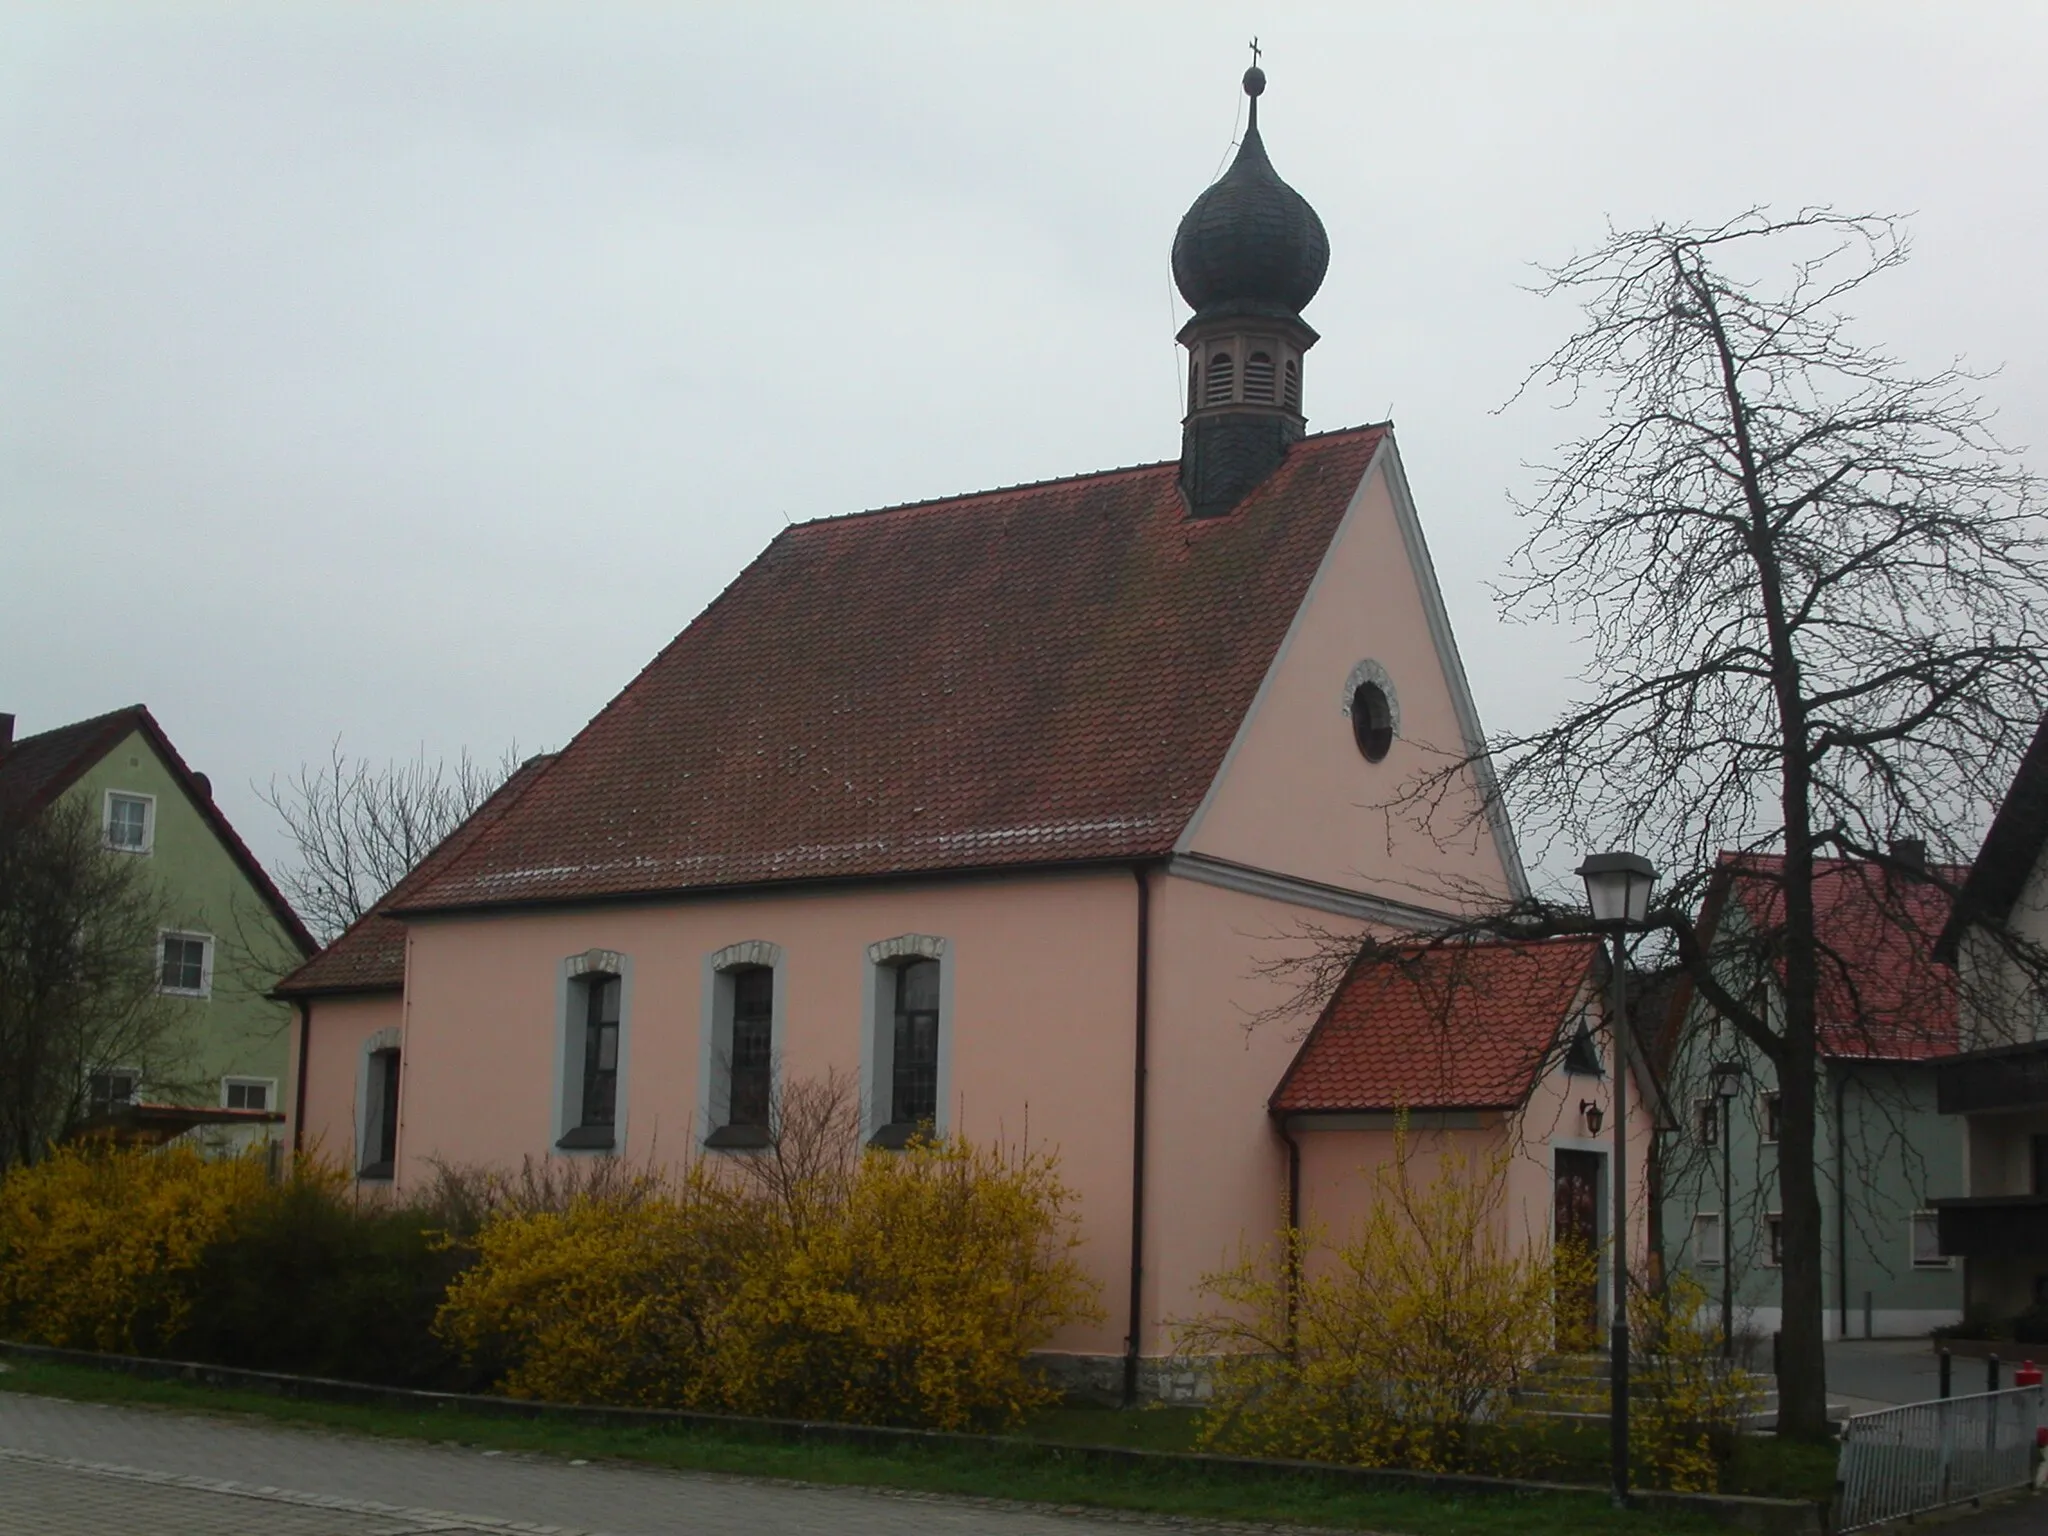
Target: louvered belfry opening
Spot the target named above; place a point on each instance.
(1258, 379)
(1249, 255)
(1221, 376)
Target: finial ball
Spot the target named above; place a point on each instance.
(1254, 81)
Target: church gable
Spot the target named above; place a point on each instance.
(1365, 692)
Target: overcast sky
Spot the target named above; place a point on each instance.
(411, 373)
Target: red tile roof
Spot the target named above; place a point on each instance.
(1440, 1026)
(1882, 992)
(35, 770)
(369, 955)
(1047, 674)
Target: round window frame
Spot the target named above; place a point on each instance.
(1373, 731)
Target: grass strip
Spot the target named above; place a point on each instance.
(1035, 1474)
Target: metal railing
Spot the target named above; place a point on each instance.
(1904, 1461)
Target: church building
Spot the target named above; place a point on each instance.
(1000, 806)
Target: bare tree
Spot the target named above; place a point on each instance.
(359, 828)
(78, 974)
(1811, 582)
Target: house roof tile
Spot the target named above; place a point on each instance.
(1046, 674)
(1460, 1025)
(1882, 993)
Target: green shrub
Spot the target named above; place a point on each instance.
(309, 1280)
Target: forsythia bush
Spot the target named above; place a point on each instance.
(1391, 1344)
(98, 1248)
(1686, 1404)
(875, 1287)
(893, 1288)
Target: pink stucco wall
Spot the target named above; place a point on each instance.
(1042, 1027)
(1338, 1165)
(1216, 1172)
(341, 1027)
(1296, 795)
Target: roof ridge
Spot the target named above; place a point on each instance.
(1071, 479)
(88, 722)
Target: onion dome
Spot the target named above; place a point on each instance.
(1250, 243)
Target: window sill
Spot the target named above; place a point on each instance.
(374, 1173)
(587, 1138)
(739, 1137)
(896, 1135)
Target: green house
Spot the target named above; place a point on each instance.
(219, 1064)
(1885, 1153)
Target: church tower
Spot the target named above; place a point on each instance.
(1248, 256)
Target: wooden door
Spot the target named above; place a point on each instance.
(1576, 1235)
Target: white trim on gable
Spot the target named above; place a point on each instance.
(1446, 644)
(1386, 460)
(1225, 874)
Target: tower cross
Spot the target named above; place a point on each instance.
(1255, 53)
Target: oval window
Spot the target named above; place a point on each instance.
(1372, 721)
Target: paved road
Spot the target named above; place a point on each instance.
(86, 1469)
(69, 1469)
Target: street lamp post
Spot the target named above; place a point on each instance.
(1727, 1083)
(1618, 892)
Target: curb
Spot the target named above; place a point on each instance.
(1769, 1517)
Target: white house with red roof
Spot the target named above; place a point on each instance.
(1000, 806)
(1887, 1011)
(1997, 1088)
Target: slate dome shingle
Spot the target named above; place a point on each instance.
(1250, 240)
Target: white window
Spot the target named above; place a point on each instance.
(130, 821)
(108, 1091)
(1708, 1248)
(907, 1059)
(1927, 1252)
(1706, 1120)
(1774, 1239)
(591, 1108)
(185, 964)
(742, 1024)
(247, 1092)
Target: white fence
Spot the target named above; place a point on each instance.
(1922, 1456)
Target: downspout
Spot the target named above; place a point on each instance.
(1139, 1032)
(1842, 1199)
(1293, 1230)
(305, 1044)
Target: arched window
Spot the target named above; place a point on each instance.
(1372, 721)
(743, 986)
(1222, 374)
(753, 1016)
(592, 1108)
(1292, 387)
(905, 1065)
(914, 1096)
(1258, 378)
